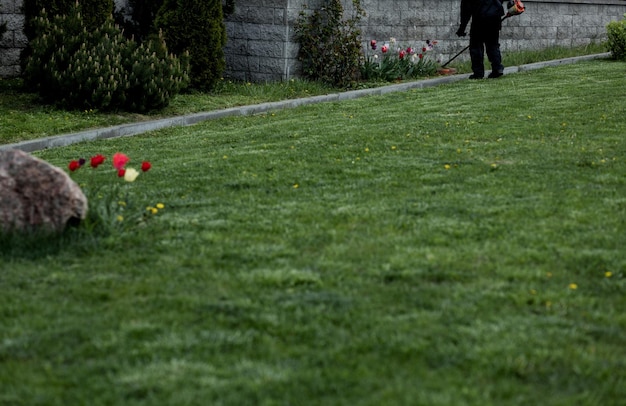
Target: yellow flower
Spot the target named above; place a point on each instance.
(160, 206)
(130, 175)
(446, 166)
(120, 218)
(295, 186)
(608, 274)
(367, 150)
(573, 286)
(121, 203)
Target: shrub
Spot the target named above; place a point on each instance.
(616, 32)
(330, 48)
(197, 27)
(138, 19)
(99, 69)
(95, 12)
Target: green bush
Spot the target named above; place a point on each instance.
(76, 67)
(330, 48)
(95, 12)
(138, 19)
(616, 32)
(197, 27)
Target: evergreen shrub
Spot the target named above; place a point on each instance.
(330, 46)
(197, 27)
(95, 12)
(616, 33)
(76, 67)
(138, 19)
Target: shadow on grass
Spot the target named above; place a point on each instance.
(39, 244)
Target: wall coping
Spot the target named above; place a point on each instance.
(610, 2)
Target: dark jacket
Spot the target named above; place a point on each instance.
(480, 10)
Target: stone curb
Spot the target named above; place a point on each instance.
(126, 130)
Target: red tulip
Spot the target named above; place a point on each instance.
(121, 173)
(120, 160)
(73, 165)
(97, 160)
(145, 166)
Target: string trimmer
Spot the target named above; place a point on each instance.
(514, 8)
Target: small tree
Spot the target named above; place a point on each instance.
(197, 27)
(330, 46)
(616, 33)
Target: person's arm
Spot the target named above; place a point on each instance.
(466, 14)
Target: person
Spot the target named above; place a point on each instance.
(486, 16)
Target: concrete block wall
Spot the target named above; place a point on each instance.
(14, 40)
(261, 44)
(571, 23)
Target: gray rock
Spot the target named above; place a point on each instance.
(35, 195)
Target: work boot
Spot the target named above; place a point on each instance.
(495, 75)
(475, 76)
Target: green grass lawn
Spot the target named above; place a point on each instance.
(458, 245)
(22, 117)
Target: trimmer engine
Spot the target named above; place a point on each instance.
(515, 7)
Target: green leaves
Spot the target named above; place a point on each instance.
(616, 41)
(330, 47)
(100, 69)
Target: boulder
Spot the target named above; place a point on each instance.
(35, 195)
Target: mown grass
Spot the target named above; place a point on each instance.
(22, 117)
(453, 245)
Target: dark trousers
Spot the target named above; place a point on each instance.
(485, 35)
